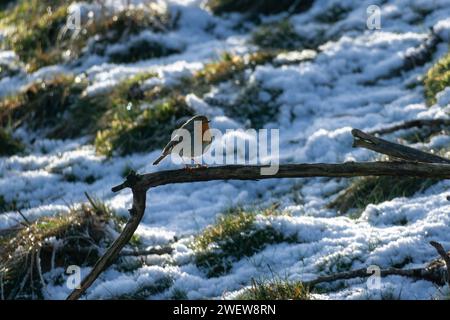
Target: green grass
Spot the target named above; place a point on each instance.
(41, 105)
(25, 252)
(229, 66)
(275, 289)
(36, 32)
(437, 79)
(373, 190)
(8, 144)
(233, 237)
(255, 7)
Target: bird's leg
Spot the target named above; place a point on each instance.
(186, 166)
(199, 165)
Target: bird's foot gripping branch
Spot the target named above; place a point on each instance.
(411, 163)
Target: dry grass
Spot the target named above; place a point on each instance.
(72, 238)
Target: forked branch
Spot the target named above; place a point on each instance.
(425, 166)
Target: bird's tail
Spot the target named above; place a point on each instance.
(159, 159)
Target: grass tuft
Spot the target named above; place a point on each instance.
(437, 79)
(42, 104)
(231, 238)
(37, 31)
(230, 65)
(67, 239)
(373, 190)
(275, 289)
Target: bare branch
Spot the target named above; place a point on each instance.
(365, 140)
(137, 212)
(428, 274)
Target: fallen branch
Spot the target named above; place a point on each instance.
(433, 272)
(365, 140)
(417, 273)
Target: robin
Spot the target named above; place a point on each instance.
(189, 126)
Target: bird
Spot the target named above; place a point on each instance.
(189, 125)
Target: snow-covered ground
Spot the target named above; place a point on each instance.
(320, 102)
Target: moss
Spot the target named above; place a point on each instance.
(275, 289)
(231, 238)
(279, 35)
(30, 250)
(437, 79)
(262, 6)
(373, 190)
(9, 145)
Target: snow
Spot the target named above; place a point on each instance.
(324, 95)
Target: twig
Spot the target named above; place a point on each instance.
(419, 123)
(136, 253)
(91, 201)
(419, 273)
(440, 249)
(365, 140)
(28, 223)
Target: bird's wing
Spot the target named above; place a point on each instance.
(172, 143)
